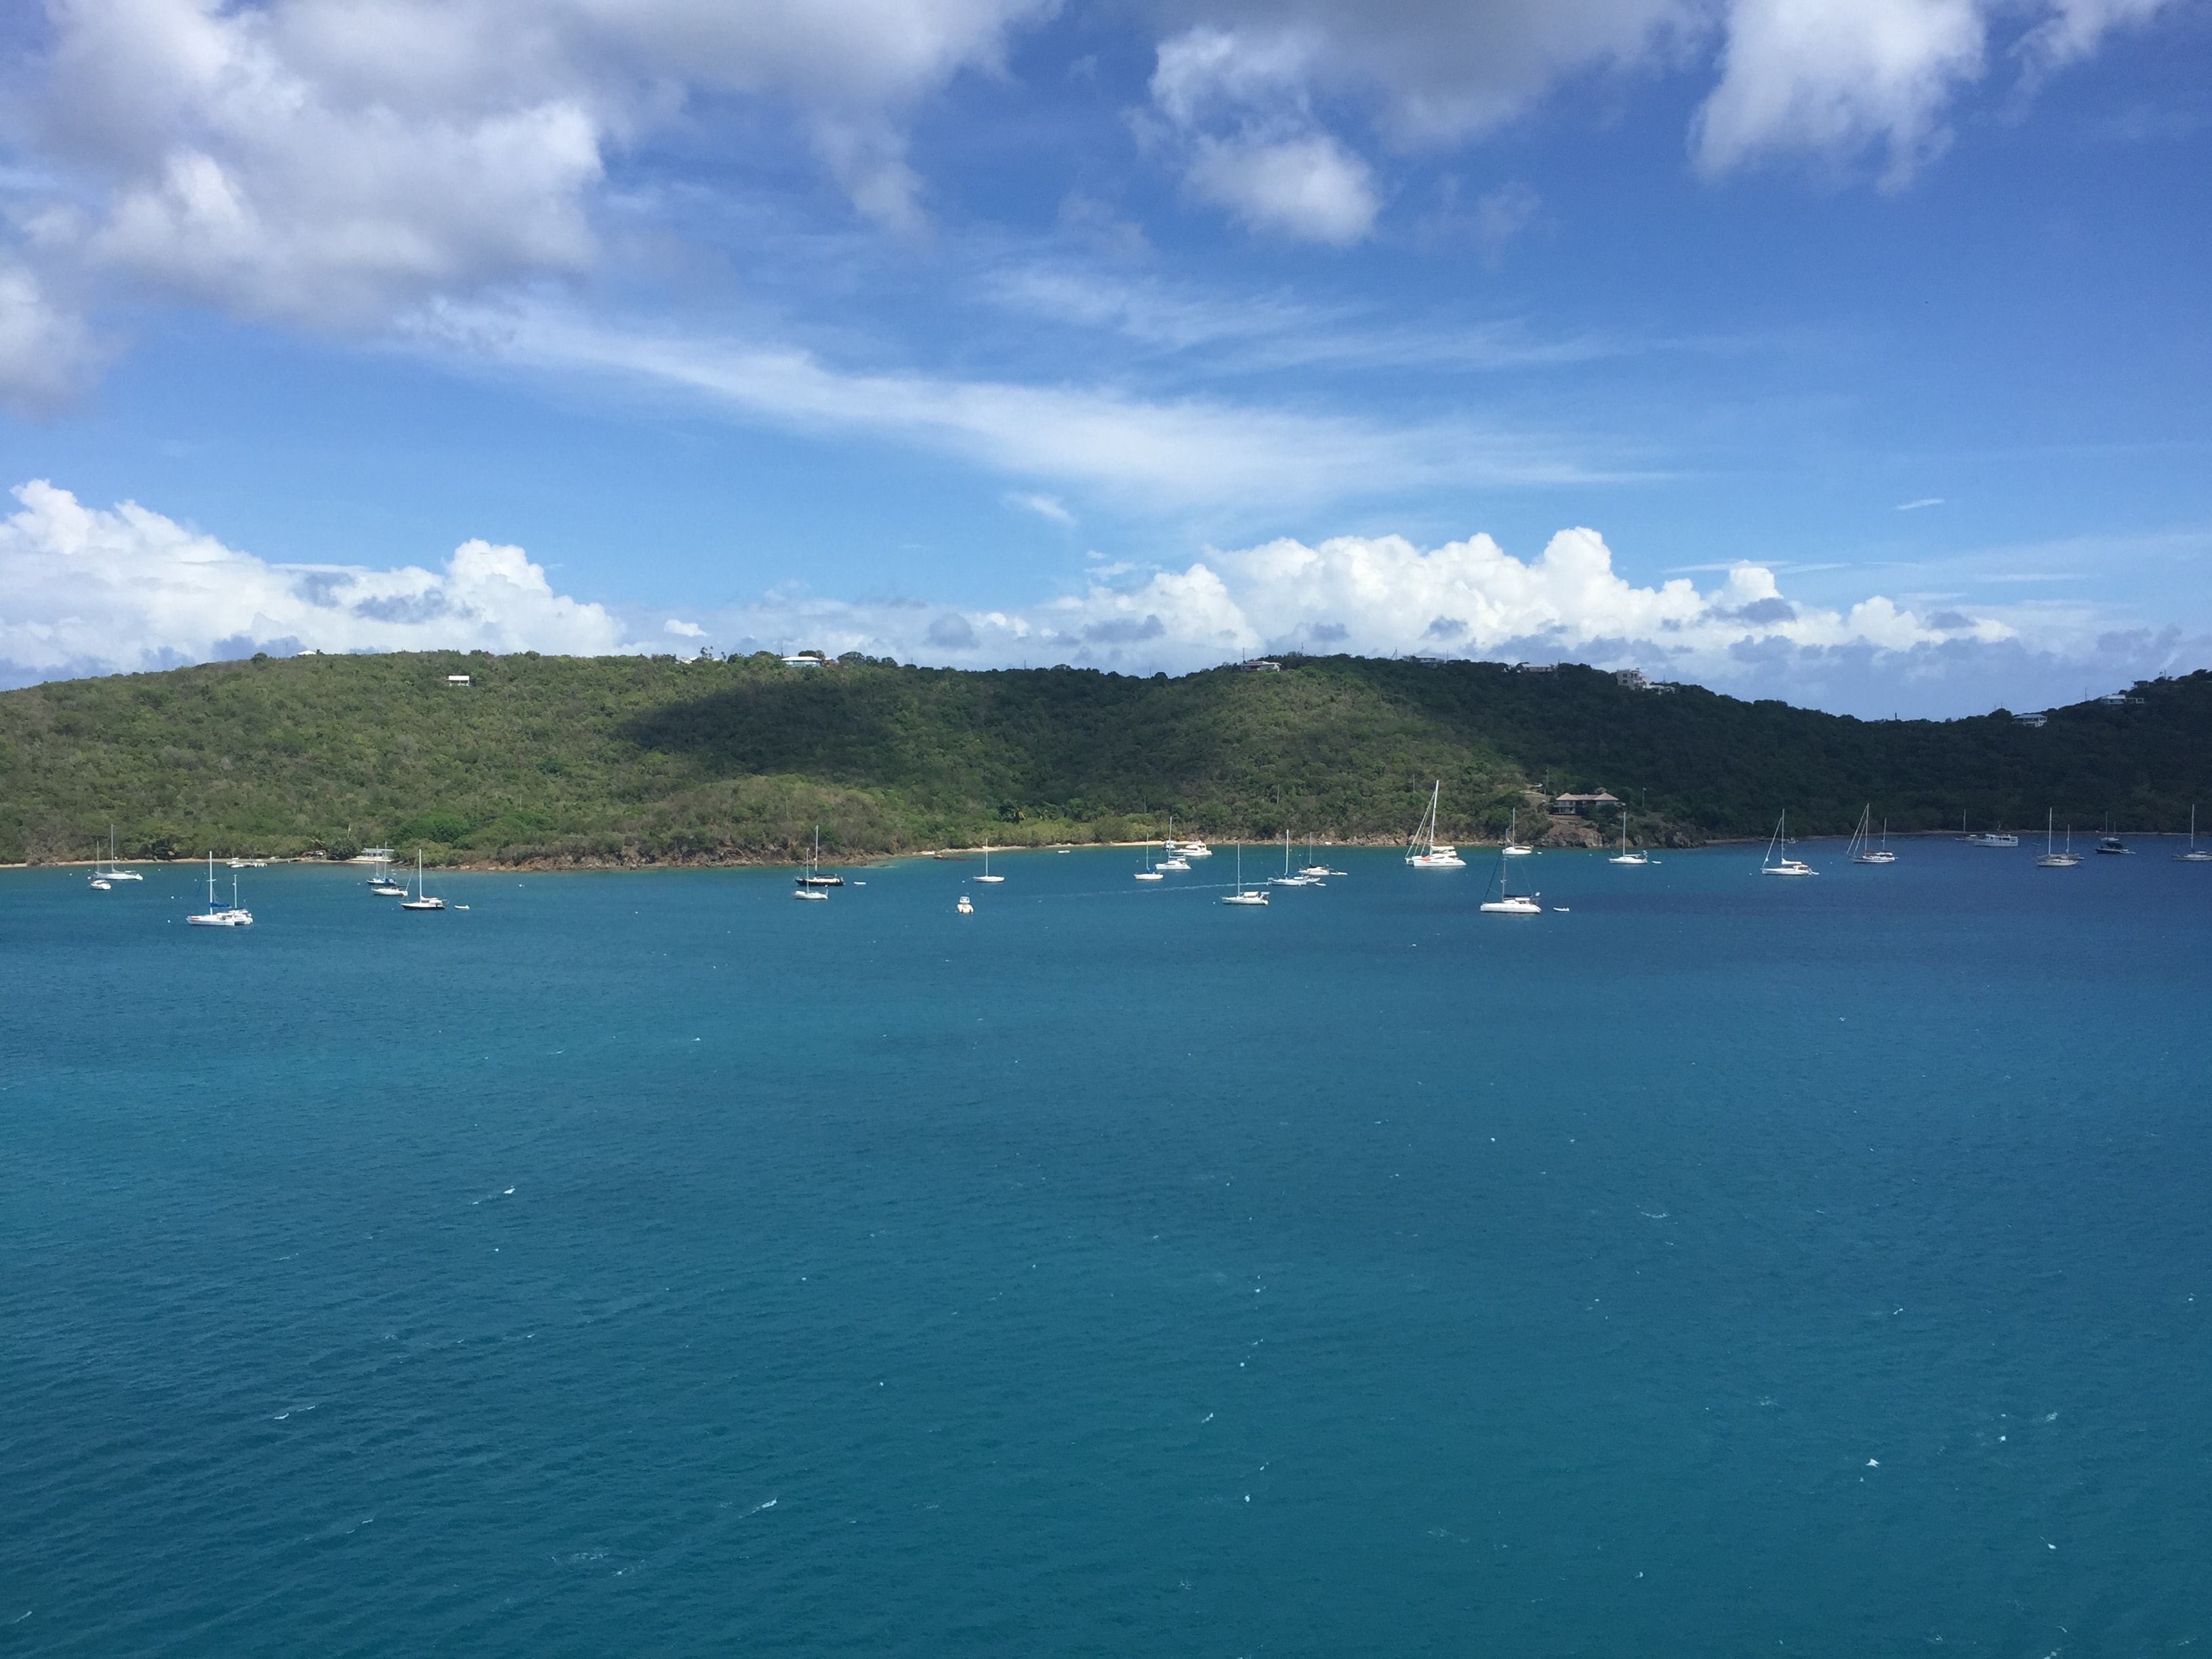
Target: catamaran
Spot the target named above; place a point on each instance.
(1438, 856)
(1513, 848)
(1624, 856)
(1784, 865)
(1862, 849)
(1254, 895)
(421, 900)
(1508, 902)
(2052, 860)
(2192, 856)
(215, 915)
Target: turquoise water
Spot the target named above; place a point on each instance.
(648, 1264)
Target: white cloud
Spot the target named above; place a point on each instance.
(1914, 505)
(1307, 186)
(1832, 80)
(45, 352)
(85, 591)
(1159, 454)
(329, 161)
(1045, 506)
(684, 630)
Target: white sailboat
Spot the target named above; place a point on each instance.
(215, 915)
(1313, 866)
(1508, 902)
(1174, 860)
(1624, 856)
(1513, 848)
(1286, 879)
(97, 880)
(1256, 896)
(987, 876)
(1439, 855)
(1148, 873)
(1784, 865)
(1862, 849)
(2052, 860)
(421, 900)
(381, 884)
(114, 871)
(2192, 856)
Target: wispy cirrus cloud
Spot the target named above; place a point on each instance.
(1152, 453)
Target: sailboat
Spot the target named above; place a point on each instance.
(1508, 902)
(1438, 856)
(1624, 856)
(97, 880)
(1286, 879)
(814, 878)
(1862, 849)
(1148, 873)
(381, 884)
(1785, 865)
(1256, 896)
(1513, 848)
(114, 871)
(2192, 856)
(215, 915)
(2052, 860)
(1174, 860)
(421, 900)
(1314, 866)
(987, 876)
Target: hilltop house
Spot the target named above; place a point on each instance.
(1583, 806)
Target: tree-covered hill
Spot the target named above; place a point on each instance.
(651, 759)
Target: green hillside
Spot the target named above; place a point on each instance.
(650, 758)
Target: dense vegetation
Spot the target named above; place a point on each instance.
(650, 758)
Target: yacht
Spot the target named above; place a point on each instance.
(1624, 856)
(1439, 855)
(1287, 880)
(1195, 850)
(215, 915)
(114, 871)
(1986, 837)
(1784, 865)
(987, 876)
(1862, 849)
(1514, 849)
(249, 864)
(421, 900)
(1255, 896)
(814, 878)
(2052, 858)
(1175, 861)
(2192, 856)
(2110, 843)
(964, 907)
(1508, 902)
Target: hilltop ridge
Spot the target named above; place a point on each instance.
(654, 759)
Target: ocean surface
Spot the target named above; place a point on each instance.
(645, 1264)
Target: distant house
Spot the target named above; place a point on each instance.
(1535, 668)
(1632, 678)
(1260, 666)
(2120, 699)
(457, 679)
(806, 659)
(2031, 719)
(1583, 806)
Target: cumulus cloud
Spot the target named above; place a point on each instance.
(47, 352)
(332, 161)
(90, 591)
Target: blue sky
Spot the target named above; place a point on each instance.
(1854, 355)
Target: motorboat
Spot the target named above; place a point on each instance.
(1784, 865)
(2112, 844)
(964, 907)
